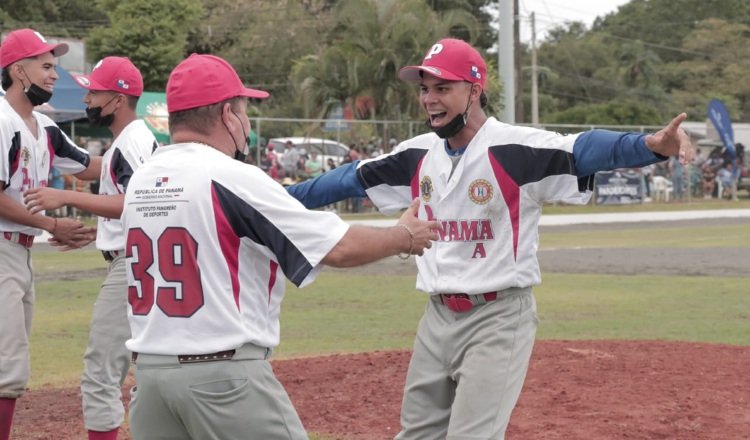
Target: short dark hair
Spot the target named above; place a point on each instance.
(132, 101)
(201, 119)
(6, 79)
(483, 100)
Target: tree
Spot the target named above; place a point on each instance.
(62, 18)
(370, 41)
(152, 33)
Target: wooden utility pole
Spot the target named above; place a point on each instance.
(505, 60)
(534, 75)
(517, 55)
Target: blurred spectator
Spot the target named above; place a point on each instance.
(289, 160)
(331, 165)
(724, 178)
(708, 182)
(677, 175)
(313, 166)
(648, 172)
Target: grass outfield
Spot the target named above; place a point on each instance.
(347, 312)
(352, 313)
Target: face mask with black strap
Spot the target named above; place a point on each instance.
(94, 114)
(35, 94)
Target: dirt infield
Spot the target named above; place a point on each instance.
(587, 390)
(574, 390)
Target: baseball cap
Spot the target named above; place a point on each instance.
(115, 74)
(202, 80)
(450, 59)
(27, 43)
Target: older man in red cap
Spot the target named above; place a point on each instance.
(209, 240)
(30, 144)
(114, 86)
(486, 183)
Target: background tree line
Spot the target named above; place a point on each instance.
(639, 65)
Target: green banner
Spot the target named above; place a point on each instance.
(152, 108)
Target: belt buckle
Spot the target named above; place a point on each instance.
(458, 302)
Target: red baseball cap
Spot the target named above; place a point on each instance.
(114, 74)
(27, 43)
(203, 80)
(451, 59)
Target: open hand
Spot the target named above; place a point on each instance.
(672, 141)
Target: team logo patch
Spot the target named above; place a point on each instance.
(480, 191)
(25, 157)
(161, 181)
(425, 187)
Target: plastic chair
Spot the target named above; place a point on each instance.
(661, 188)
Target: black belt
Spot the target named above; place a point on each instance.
(110, 255)
(225, 355)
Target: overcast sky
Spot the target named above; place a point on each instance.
(552, 13)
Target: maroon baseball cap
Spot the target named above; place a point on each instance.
(114, 74)
(202, 80)
(450, 59)
(27, 43)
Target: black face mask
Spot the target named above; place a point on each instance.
(239, 154)
(450, 129)
(454, 126)
(95, 115)
(36, 94)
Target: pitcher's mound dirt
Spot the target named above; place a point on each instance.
(586, 390)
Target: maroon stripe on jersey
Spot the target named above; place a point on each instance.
(246, 221)
(397, 169)
(512, 195)
(51, 151)
(230, 245)
(274, 266)
(415, 180)
(14, 156)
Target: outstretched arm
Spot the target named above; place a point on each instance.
(40, 199)
(604, 150)
(330, 187)
(361, 245)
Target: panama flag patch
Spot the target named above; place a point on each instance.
(161, 181)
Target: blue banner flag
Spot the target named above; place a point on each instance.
(719, 116)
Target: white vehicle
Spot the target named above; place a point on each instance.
(324, 147)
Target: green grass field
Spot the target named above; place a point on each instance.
(348, 312)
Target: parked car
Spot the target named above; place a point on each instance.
(324, 147)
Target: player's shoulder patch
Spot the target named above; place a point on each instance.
(425, 188)
(480, 191)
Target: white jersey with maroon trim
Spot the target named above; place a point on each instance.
(128, 151)
(26, 161)
(209, 240)
(488, 208)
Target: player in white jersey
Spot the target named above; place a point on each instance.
(209, 242)
(114, 87)
(30, 144)
(485, 183)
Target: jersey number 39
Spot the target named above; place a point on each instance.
(182, 293)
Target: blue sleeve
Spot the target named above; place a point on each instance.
(332, 186)
(604, 150)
